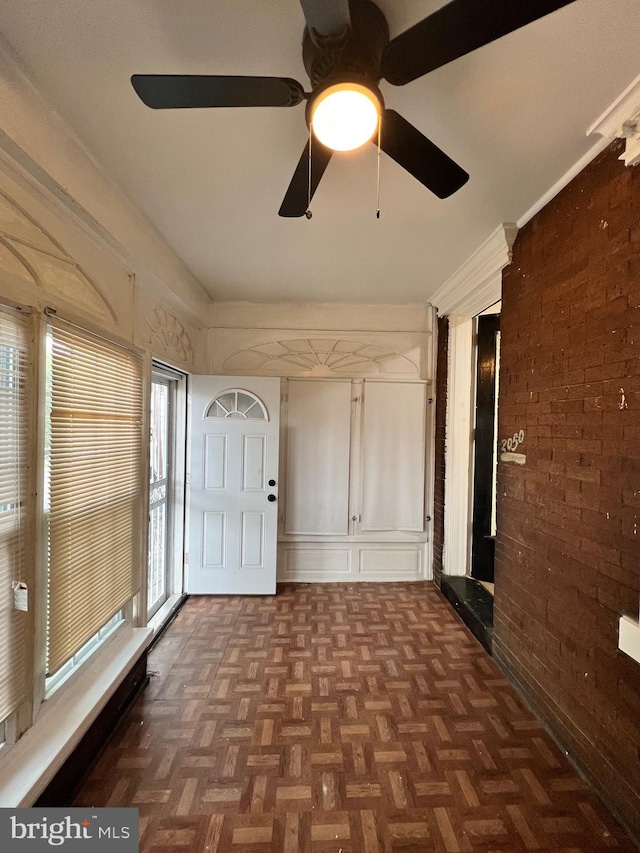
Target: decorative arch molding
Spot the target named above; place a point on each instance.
(315, 356)
(30, 253)
(168, 334)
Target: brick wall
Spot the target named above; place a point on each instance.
(568, 545)
(441, 411)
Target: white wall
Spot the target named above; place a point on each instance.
(286, 339)
(145, 294)
(71, 242)
(357, 343)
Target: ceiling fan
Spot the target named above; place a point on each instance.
(346, 51)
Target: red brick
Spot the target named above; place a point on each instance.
(568, 546)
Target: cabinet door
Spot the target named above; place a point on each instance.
(318, 439)
(393, 456)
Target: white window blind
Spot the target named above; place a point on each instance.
(96, 486)
(15, 396)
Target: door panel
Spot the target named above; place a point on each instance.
(393, 454)
(215, 462)
(233, 514)
(252, 553)
(214, 528)
(318, 448)
(254, 463)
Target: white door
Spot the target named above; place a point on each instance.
(233, 509)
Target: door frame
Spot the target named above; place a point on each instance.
(485, 459)
(236, 383)
(473, 288)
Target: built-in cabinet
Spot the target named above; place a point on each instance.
(352, 497)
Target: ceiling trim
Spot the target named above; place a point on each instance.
(610, 125)
(625, 107)
(18, 166)
(621, 120)
(29, 109)
(477, 284)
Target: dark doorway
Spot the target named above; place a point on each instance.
(483, 535)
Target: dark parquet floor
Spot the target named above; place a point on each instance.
(339, 718)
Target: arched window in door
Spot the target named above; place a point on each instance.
(235, 403)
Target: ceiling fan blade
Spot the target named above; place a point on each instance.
(455, 30)
(178, 91)
(419, 156)
(326, 17)
(296, 200)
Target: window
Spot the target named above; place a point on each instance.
(16, 565)
(83, 653)
(94, 506)
(160, 493)
(237, 404)
(167, 463)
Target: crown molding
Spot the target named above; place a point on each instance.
(477, 284)
(621, 120)
(134, 241)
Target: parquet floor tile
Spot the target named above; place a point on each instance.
(339, 718)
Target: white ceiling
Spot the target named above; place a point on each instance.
(513, 114)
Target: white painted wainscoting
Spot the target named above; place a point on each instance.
(353, 467)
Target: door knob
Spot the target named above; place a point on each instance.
(271, 498)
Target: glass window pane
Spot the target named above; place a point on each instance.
(245, 402)
(159, 431)
(157, 555)
(237, 404)
(255, 412)
(219, 411)
(158, 495)
(227, 401)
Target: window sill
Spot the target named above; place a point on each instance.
(31, 763)
(629, 637)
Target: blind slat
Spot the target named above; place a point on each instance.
(95, 420)
(15, 401)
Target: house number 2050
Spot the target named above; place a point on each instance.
(509, 444)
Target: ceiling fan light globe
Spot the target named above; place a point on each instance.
(345, 116)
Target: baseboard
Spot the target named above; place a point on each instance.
(473, 604)
(320, 577)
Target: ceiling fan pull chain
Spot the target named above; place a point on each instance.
(378, 176)
(307, 212)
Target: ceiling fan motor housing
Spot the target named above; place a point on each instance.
(357, 52)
